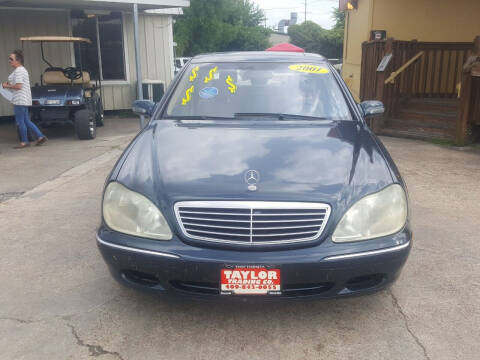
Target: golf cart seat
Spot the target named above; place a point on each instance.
(57, 77)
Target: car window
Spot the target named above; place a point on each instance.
(178, 63)
(226, 89)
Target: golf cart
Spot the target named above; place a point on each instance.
(66, 95)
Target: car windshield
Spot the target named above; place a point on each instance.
(269, 89)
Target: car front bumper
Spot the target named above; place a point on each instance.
(325, 270)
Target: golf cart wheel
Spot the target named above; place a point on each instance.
(30, 135)
(85, 124)
(99, 115)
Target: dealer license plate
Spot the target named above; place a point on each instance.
(52, 102)
(250, 281)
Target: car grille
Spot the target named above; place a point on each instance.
(251, 222)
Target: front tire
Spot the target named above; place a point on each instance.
(85, 124)
(99, 114)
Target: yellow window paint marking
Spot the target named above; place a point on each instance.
(194, 73)
(187, 97)
(309, 68)
(210, 75)
(232, 87)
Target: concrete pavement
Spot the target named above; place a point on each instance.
(23, 169)
(59, 301)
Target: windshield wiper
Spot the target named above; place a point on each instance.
(280, 116)
(196, 117)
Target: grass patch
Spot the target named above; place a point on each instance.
(443, 142)
(449, 143)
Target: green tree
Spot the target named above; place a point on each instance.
(313, 38)
(339, 17)
(220, 25)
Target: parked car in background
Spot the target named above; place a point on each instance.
(238, 188)
(337, 64)
(180, 63)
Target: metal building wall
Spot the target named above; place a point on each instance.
(15, 24)
(157, 57)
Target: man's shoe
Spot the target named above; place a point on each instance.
(41, 141)
(22, 146)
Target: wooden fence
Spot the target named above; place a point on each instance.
(436, 73)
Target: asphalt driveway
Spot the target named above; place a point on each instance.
(59, 302)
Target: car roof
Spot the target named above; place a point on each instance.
(258, 56)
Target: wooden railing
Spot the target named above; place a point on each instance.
(395, 74)
(418, 70)
(436, 74)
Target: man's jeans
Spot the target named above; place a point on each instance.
(22, 117)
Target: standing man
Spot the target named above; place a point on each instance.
(19, 82)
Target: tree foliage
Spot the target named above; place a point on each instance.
(220, 25)
(339, 17)
(313, 38)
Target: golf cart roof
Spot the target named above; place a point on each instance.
(55, 39)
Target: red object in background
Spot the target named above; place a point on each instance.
(286, 47)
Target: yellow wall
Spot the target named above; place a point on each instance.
(424, 20)
(428, 20)
(357, 29)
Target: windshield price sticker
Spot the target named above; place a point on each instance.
(188, 96)
(208, 93)
(309, 69)
(231, 86)
(194, 75)
(210, 75)
(250, 281)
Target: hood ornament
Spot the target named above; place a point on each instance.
(252, 177)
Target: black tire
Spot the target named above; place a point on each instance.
(99, 114)
(30, 135)
(85, 124)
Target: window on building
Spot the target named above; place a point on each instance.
(109, 29)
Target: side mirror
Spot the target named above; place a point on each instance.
(143, 107)
(372, 108)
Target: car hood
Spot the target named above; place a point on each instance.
(332, 162)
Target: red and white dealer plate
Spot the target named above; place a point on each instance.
(250, 281)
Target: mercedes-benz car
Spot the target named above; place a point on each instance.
(256, 177)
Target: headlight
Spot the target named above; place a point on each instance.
(373, 216)
(131, 213)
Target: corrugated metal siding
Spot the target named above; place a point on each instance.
(17, 23)
(154, 30)
(157, 58)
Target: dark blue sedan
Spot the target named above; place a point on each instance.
(256, 177)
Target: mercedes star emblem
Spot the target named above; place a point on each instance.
(252, 177)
